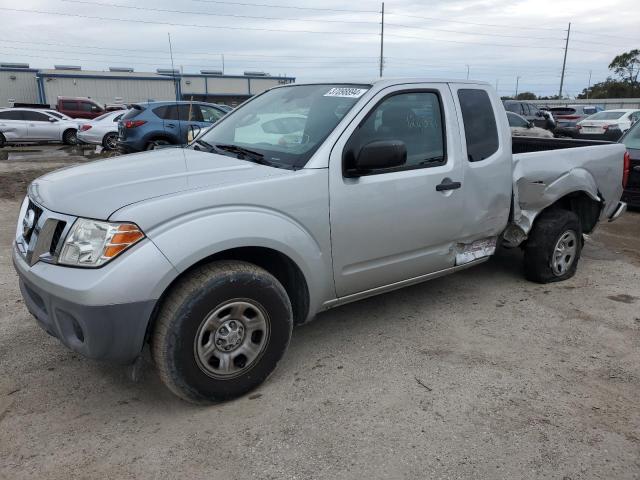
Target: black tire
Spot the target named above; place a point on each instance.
(110, 141)
(188, 306)
(3, 141)
(70, 137)
(550, 227)
(153, 144)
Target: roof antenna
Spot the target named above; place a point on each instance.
(175, 86)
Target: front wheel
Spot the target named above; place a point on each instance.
(221, 331)
(70, 137)
(553, 249)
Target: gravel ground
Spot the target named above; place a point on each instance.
(476, 375)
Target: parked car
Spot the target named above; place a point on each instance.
(520, 127)
(62, 116)
(631, 140)
(102, 130)
(568, 117)
(531, 112)
(79, 107)
(600, 123)
(26, 125)
(213, 252)
(147, 126)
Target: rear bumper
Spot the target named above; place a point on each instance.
(620, 209)
(92, 139)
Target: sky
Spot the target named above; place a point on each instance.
(504, 43)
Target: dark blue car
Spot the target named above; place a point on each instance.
(149, 125)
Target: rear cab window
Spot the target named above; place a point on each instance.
(480, 129)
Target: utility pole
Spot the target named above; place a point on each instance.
(222, 55)
(467, 72)
(589, 87)
(517, 83)
(564, 62)
(382, 40)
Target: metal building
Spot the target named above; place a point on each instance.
(17, 84)
(21, 84)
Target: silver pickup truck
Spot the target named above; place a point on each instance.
(306, 197)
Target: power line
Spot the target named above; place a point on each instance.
(175, 24)
(271, 5)
(429, 29)
(474, 43)
(193, 12)
(258, 55)
(474, 23)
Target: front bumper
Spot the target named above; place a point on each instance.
(100, 313)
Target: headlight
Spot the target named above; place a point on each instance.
(91, 243)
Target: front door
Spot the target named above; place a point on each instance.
(40, 127)
(396, 224)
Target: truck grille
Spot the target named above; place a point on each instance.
(42, 241)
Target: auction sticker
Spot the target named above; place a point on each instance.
(346, 92)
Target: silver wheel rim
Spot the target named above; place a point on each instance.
(564, 253)
(111, 142)
(232, 338)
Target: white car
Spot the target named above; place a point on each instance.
(599, 123)
(102, 130)
(521, 127)
(26, 125)
(62, 116)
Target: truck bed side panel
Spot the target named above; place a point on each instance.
(541, 178)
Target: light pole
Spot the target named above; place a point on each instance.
(467, 72)
(517, 83)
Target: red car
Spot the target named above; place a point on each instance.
(79, 107)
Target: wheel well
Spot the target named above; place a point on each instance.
(69, 130)
(274, 262)
(586, 208)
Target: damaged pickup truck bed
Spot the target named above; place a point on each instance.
(306, 197)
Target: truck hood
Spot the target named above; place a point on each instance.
(98, 189)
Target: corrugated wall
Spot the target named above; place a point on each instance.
(17, 87)
(108, 90)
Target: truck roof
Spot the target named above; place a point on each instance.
(387, 82)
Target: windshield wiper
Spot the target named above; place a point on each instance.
(206, 145)
(245, 154)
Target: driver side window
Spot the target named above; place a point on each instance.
(413, 118)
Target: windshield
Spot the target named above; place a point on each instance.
(632, 138)
(285, 125)
(606, 116)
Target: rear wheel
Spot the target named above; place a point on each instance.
(110, 141)
(553, 249)
(221, 331)
(3, 141)
(70, 137)
(153, 144)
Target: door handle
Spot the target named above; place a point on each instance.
(448, 184)
(171, 125)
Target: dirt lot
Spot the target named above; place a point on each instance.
(476, 375)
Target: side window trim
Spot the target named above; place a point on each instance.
(374, 108)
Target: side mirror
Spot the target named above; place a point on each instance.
(194, 131)
(529, 124)
(378, 155)
(53, 120)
